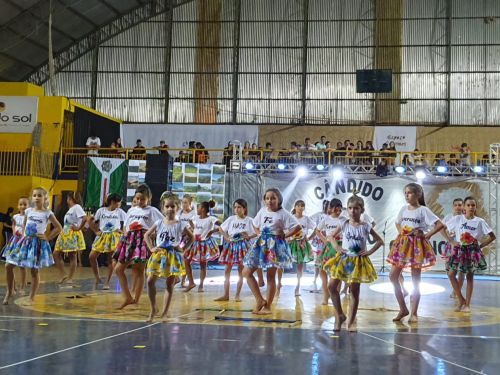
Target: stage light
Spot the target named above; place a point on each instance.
(249, 166)
(420, 174)
(400, 169)
(425, 288)
(281, 166)
(478, 169)
(320, 167)
(442, 169)
(337, 173)
(301, 171)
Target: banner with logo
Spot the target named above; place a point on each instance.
(104, 176)
(383, 199)
(405, 137)
(18, 114)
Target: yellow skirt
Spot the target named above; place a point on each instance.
(106, 242)
(351, 269)
(69, 241)
(165, 263)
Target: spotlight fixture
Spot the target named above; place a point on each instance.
(420, 174)
(400, 169)
(337, 173)
(320, 167)
(478, 169)
(281, 166)
(442, 169)
(301, 171)
(249, 166)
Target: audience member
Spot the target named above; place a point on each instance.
(93, 144)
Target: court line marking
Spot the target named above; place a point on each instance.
(439, 335)
(77, 346)
(100, 320)
(421, 353)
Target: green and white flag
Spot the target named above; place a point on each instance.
(104, 176)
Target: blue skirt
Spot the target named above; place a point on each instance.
(31, 252)
(269, 252)
(11, 244)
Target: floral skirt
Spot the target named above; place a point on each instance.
(411, 251)
(301, 251)
(132, 248)
(165, 263)
(448, 248)
(70, 240)
(466, 258)
(106, 242)
(269, 251)
(327, 254)
(11, 244)
(202, 251)
(233, 252)
(351, 269)
(31, 252)
(317, 244)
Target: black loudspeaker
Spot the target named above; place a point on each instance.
(158, 175)
(374, 80)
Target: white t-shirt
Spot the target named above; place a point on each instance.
(18, 223)
(145, 217)
(203, 226)
(93, 142)
(234, 225)
(330, 225)
(39, 219)
(354, 237)
(476, 227)
(279, 220)
(170, 232)
(318, 217)
(364, 217)
(186, 217)
(307, 224)
(109, 221)
(74, 215)
(419, 218)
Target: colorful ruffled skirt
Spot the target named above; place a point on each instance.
(327, 254)
(132, 248)
(202, 251)
(166, 262)
(413, 251)
(234, 251)
(106, 242)
(10, 245)
(31, 252)
(301, 251)
(317, 244)
(448, 248)
(70, 240)
(466, 258)
(269, 251)
(351, 268)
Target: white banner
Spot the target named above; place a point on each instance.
(383, 199)
(18, 114)
(405, 137)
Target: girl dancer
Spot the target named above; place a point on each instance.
(458, 206)
(352, 264)
(70, 240)
(110, 219)
(412, 248)
(237, 231)
(299, 245)
(166, 259)
(132, 249)
(33, 250)
(467, 256)
(17, 226)
(186, 214)
(271, 250)
(316, 242)
(204, 247)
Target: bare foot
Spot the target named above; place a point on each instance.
(189, 287)
(260, 305)
(64, 279)
(97, 282)
(297, 292)
(237, 299)
(466, 309)
(460, 306)
(324, 302)
(105, 287)
(401, 315)
(21, 292)
(223, 298)
(352, 326)
(264, 311)
(6, 299)
(200, 289)
(127, 302)
(338, 322)
(413, 318)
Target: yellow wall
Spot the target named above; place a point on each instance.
(20, 89)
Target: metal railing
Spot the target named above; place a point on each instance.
(27, 162)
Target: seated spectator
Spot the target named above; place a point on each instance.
(254, 153)
(359, 153)
(370, 152)
(453, 161)
(418, 159)
(391, 152)
(406, 161)
(439, 161)
(93, 144)
(267, 151)
(246, 150)
(484, 161)
(321, 145)
(139, 151)
(201, 156)
(382, 169)
(162, 148)
(308, 145)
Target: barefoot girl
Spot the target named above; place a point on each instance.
(271, 251)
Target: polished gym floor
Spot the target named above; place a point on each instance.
(78, 330)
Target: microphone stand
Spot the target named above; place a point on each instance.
(383, 268)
